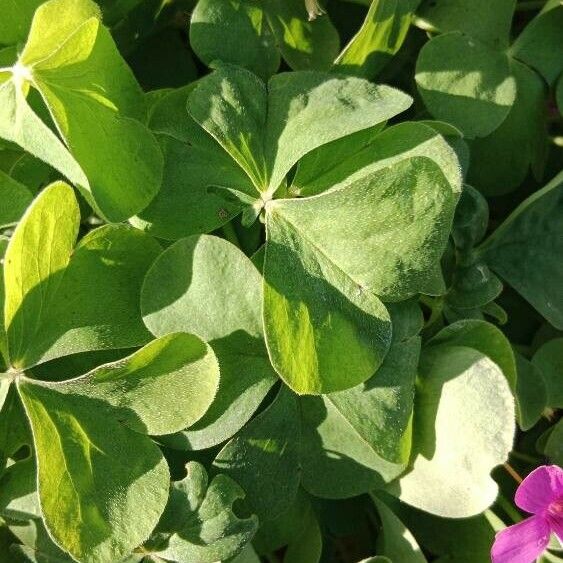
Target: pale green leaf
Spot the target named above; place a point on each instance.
(307, 547)
(14, 199)
(61, 300)
(200, 520)
(463, 428)
(267, 446)
(488, 22)
(45, 38)
(205, 285)
(483, 337)
(381, 35)
(70, 58)
(524, 250)
(549, 360)
(466, 83)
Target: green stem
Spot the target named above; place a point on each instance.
(230, 234)
(507, 506)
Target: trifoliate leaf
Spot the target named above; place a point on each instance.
(14, 198)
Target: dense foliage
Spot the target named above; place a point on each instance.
(281, 282)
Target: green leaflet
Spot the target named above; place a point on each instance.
(501, 160)
(531, 393)
(489, 23)
(539, 45)
(357, 440)
(267, 130)
(466, 83)
(193, 162)
(268, 446)
(353, 158)
(549, 359)
(325, 328)
(463, 428)
(102, 483)
(521, 251)
(61, 301)
(205, 285)
(380, 37)
(199, 522)
(395, 540)
(255, 35)
(14, 198)
(90, 93)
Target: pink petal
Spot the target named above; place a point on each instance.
(541, 487)
(557, 527)
(521, 543)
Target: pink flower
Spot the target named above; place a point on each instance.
(541, 494)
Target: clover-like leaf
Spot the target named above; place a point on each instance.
(61, 300)
(521, 251)
(266, 130)
(16, 20)
(103, 483)
(328, 257)
(466, 83)
(91, 94)
(463, 428)
(205, 285)
(199, 521)
(254, 35)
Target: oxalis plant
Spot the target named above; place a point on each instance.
(281, 281)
